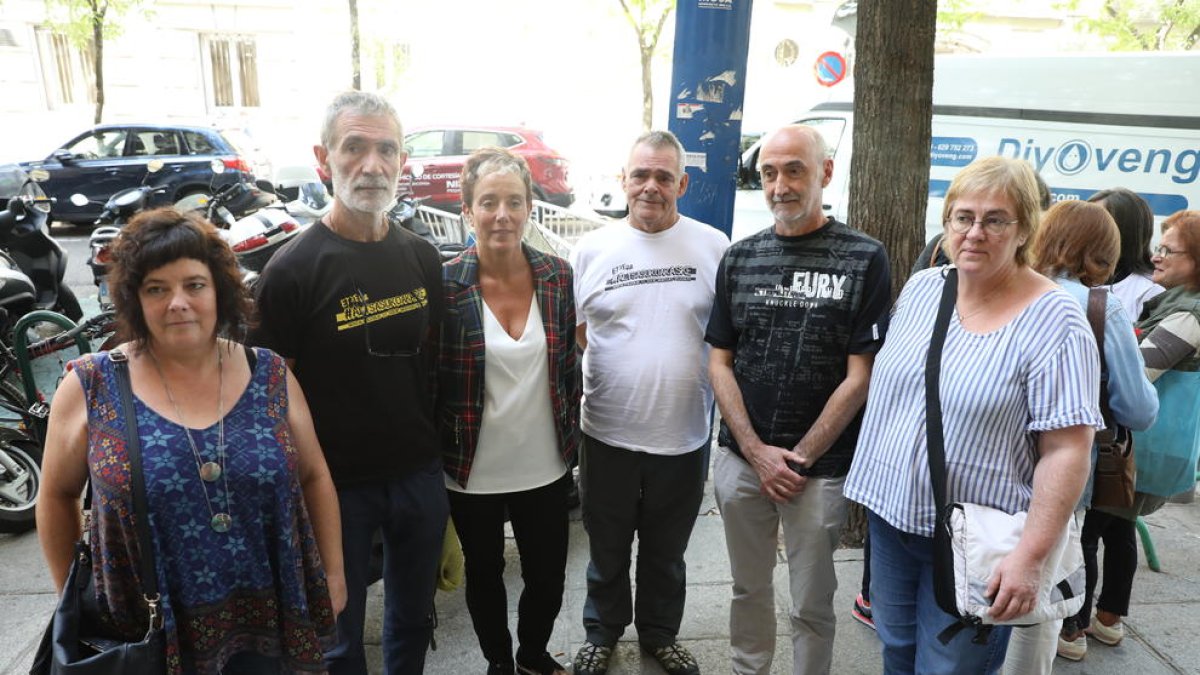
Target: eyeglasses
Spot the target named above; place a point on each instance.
(370, 317)
(962, 223)
(1163, 252)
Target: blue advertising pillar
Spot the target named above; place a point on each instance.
(708, 85)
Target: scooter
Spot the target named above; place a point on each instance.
(35, 263)
(305, 196)
(119, 208)
(404, 214)
(222, 208)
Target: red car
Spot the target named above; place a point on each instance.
(438, 153)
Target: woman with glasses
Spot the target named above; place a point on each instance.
(243, 514)
(1019, 384)
(1170, 345)
(508, 411)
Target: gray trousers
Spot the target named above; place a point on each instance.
(658, 498)
(812, 523)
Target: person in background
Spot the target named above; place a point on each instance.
(1132, 282)
(1170, 341)
(1078, 246)
(1019, 387)
(644, 288)
(355, 304)
(508, 411)
(243, 515)
(801, 308)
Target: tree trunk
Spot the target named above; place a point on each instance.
(355, 54)
(647, 89)
(98, 55)
(893, 110)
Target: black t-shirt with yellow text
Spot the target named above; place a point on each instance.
(360, 320)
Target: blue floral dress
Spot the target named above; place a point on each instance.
(258, 587)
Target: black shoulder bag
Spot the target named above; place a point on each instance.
(75, 642)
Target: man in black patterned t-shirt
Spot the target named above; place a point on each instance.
(800, 310)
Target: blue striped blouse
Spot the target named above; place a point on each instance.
(1039, 372)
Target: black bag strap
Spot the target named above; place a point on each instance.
(935, 438)
(141, 511)
(943, 552)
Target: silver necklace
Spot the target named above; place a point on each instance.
(209, 472)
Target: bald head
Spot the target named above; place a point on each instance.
(795, 136)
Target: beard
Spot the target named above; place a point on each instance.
(350, 194)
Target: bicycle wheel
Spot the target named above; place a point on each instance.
(21, 483)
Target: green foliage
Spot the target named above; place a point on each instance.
(953, 14)
(77, 18)
(1143, 25)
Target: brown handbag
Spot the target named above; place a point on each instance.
(1116, 471)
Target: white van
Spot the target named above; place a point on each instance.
(1085, 122)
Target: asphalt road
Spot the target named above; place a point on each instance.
(79, 277)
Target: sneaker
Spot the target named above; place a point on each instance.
(592, 659)
(1109, 635)
(1072, 650)
(862, 612)
(674, 659)
(540, 665)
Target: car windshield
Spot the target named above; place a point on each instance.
(314, 195)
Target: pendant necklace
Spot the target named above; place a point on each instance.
(209, 472)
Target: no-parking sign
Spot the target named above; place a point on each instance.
(830, 69)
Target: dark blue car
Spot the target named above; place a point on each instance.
(111, 157)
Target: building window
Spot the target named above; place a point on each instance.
(390, 61)
(68, 72)
(231, 65)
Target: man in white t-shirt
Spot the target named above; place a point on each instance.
(643, 290)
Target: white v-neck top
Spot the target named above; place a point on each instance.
(517, 448)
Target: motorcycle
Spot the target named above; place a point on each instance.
(404, 214)
(33, 264)
(304, 195)
(222, 208)
(119, 208)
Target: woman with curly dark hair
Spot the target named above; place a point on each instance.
(243, 515)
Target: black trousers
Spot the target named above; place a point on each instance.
(658, 498)
(1120, 563)
(539, 522)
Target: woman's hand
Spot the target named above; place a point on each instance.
(337, 592)
(1014, 586)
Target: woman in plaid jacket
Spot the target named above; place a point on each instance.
(508, 411)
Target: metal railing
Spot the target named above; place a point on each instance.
(554, 229)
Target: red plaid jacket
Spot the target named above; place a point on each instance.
(460, 371)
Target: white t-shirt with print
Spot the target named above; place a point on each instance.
(646, 299)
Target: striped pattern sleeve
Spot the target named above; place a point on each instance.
(1173, 340)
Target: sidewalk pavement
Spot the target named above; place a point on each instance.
(1161, 634)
